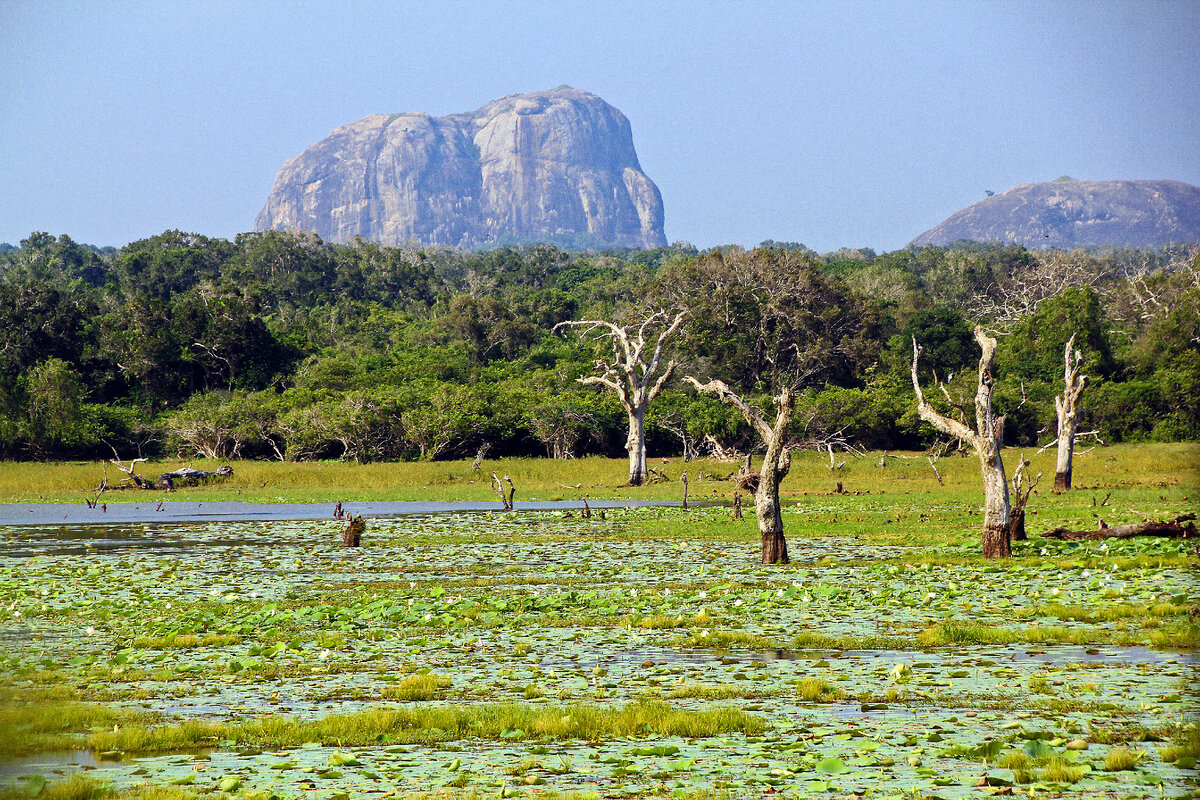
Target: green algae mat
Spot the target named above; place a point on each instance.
(642, 654)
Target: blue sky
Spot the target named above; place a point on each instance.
(836, 124)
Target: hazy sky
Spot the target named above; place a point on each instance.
(830, 123)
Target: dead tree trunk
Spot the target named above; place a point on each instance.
(1170, 529)
(634, 378)
(1022, 487)
(1066, 406)
(506, 497)
(352, 535)
(776, 464)
(983, 440)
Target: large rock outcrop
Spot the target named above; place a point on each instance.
(1067, 213)
(557, 165)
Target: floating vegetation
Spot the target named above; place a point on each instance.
(648, 652)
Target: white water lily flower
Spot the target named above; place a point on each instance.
(704, 633)
(737, 603)
(324, 655)
(704, 595)
(633, 592)
(253, 595)
(779, 592)
(428, 617)
(410, 602)
(90, 631)
(537, 594)
(666, 592)
(1086, 573)
(1054, 590)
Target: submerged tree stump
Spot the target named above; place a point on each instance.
(352, 535)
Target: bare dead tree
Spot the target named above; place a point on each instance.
(632, 374)
(984, 442)
(131, 471)
(1023, 486)
(776, 463)
(506, 497)
(1016, 297)
(1066, 407)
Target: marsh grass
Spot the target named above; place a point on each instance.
(417, 687)
(1122, 759)
(952, 632)
(437, 724)
(818, 690)
(1119, 467)
(39, 725)
(83, 787)
(186, 641)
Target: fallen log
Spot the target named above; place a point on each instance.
(186, 476)
(1170, 529)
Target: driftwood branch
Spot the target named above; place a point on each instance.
(1170, 529)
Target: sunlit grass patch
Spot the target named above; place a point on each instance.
(724, 640)
(83, 787)
(186, 641)
(438, 723)
(818, 690)
(1060, 770)
(416, 687)
(952, 632)
(1121, 759)
(1184, 749)
(1177, 637)
(40, 725)
(704, 691)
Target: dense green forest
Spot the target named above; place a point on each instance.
(278, 345)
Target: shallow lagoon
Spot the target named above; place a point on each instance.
(229, 618)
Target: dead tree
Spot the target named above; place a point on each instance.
(131, 471)
(1066, 406)
(983, 440)
(352, 535)
(506, 497)
(1022, 487)
(776, 463)
(634, 377)
(1170, 529)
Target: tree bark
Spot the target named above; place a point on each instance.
(1066, 407)
(776, 464)
(983, 440)
(1170, 529)
(635, 445)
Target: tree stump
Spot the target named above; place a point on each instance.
(352, 535)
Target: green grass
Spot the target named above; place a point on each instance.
(1118, 468)
(416, 687)
(436, 724)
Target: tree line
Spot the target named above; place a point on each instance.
(279, 345)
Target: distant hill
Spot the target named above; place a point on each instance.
(557, 165)
(1068, 213)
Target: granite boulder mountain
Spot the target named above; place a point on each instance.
(556, 165)
(1067, 213)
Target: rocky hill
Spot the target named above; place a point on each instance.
(553, 165)
(1067, 213)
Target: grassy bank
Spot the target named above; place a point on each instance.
(1145, 471)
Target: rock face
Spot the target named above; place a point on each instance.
(548, 165)
(1067, 213)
